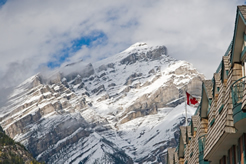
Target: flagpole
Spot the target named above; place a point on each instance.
(186, 108)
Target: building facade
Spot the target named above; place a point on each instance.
(217, 131)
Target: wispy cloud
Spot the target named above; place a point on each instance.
(96, 37)
(48, 33)
(2, 2)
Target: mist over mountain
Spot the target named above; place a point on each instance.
(124, 109)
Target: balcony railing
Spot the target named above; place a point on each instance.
(201, 145)
(238, 88)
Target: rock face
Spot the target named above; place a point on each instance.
(123, 109)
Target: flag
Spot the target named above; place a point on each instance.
(191, 100)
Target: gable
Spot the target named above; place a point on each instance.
(239, 31)
(206, 95)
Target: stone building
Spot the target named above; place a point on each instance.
(217, 131)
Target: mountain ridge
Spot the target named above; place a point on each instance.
(129, 107)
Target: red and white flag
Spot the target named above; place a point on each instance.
(191, 100)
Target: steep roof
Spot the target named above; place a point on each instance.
(183, 133)
(206, 96)
(170, 152)
(242, 9)
(195, 120)
(189, 131)
(208, 86)
(188, 134)
(182, 141)
(238, 37)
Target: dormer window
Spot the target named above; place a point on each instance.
(244, 43)
(215, 89)
(244, 67)
(224, 73)
(194, 132)
(243, 46)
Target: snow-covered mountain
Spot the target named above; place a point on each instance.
(123, 109)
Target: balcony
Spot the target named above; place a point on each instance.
(239, 101)
(201, 144)
(238, 91)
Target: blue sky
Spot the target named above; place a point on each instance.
(93, 39)
(38, 34)
(2, 2)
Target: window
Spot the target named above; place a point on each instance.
(225, 75)
(231, 159)
(212, 122)
(191, 154)
(195, 129)
(244, 68)
(227, 72)
(223, 160)
(221, 108)
(241, 149)
(244, 149)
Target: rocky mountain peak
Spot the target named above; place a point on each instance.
(144, 46)
(139, 44)
(124, 109)
(143, 52)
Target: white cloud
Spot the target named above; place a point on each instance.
(33, 31)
